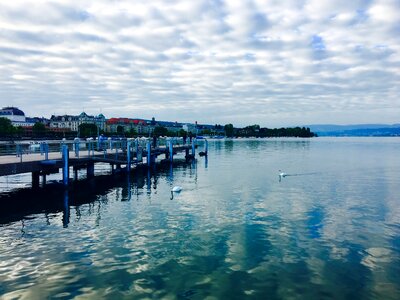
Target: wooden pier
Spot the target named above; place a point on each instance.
(41, 159)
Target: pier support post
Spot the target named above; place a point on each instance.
(90, 170)
(65, 157)
(148, 148)
(75, 174)
(43, 180)
(35, 180)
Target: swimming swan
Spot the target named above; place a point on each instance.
(176, 189)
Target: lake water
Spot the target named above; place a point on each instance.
(328, 230)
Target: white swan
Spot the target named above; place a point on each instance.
(176, 189)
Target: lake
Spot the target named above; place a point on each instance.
(330, 229)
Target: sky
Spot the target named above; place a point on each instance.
(267, 62)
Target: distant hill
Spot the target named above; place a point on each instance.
(356, 130)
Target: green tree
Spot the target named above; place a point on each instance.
(229, 131)
(120, 130)
(160, 131)
(6, 127)
(38, 129)
(87, 130)
(132, 132)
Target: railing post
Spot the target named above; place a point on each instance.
(46, 150)
(65, 156)
(76, 147)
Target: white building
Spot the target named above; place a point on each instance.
(72, 122)
(16, 116)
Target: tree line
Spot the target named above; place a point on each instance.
(257, 131)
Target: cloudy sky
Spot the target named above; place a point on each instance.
(267, 62)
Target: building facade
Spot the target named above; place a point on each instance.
(16, 116)
(127, 125)
(72, 122)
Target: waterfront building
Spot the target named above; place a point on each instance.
(16, 116)
(72, 122)
(119, 125)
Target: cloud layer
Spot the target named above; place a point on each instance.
(215, 61)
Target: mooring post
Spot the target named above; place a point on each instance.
(148, 148)
(128, 155)
(171, 151)
(193, 148)
(65, 157)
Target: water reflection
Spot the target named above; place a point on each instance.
(234, 232)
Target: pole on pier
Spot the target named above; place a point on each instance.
(148, 148)
(65, 157)
(137, 146)
(128, 155)
(171, 151)
(193, 148)
(206, 147)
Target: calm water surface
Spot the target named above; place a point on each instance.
(329, 230)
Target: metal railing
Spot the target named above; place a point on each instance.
(80, 148)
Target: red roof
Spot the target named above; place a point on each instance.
(113, 121)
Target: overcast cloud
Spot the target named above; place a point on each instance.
(274, 63)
